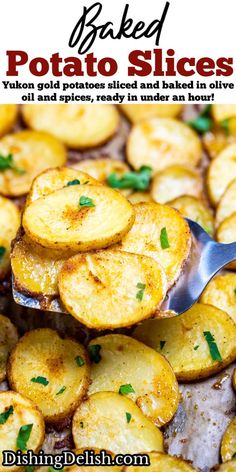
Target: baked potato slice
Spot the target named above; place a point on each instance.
(51, 180)
(152, 379)
(111, 289)
(229, 466)
(221, 172)
(100, 169)
(223, 112)
(8, 339)
(217, 139)
(228, 444)
(226, 233)
(8, 115)
(175, 181)
(191, 207)
(139, 112)
(16, 413)
(197, 344)
(138, 197)
(27, 154)
(227, 203)
(220, 292)
(101, 421)
(160, 462)
(51, 371)
(78, 126)
(162, 142)
(162, 233)
(79, 217)
(29, 258)
(10, 221)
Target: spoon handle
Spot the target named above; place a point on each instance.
(220, 255)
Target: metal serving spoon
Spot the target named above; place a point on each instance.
(206, 259)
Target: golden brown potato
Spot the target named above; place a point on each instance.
(216, 140)
(161, 233)
(161, 142)
(102, 421)
(17, 412)
(220, 292)
(113, 289)
(8, 115)
(175, 181)
(10, 219)
(100, 169)
(229, 466)
(138, 197)
(36, 269)
(8, 339)
(226, 233)
(136, 113)
(193, 354)
(222, 112)
(160, 462)
(123, 361)
(192, 208)
(27, 154)
(79, 217)
(227, 203)
(55, 179)
(78, 126)
(51, 371)
(221, 172)
(228, 445)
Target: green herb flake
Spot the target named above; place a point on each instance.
(140, 293)
(196, 348)
(86, 202)
(23, 436)
(235, 291)
(214, 351)
(7, 162)
(135, 180)
(73, 182)
(128, 417)
(225, 125)
(203, 122)
(61, 390)
(94, 353)
(4, 416)
(51, 469)
(79, 361)
(126, 389)
(40, 380)
(162, 344)
(29, 468)
(164, 239)
(2, 251)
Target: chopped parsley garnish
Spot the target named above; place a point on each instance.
(162, 344)
(196, 347)
(2, 251)
(203, 122)
(128, 417)
(4, 416)
(73, 182)
(23, 436)
(140, 293)
(7, 162)
(164, 239)
(225, 125)
(136, 180)
(235, 291)
(51, 469)
(94, 353)
(214, 351)
(126, 389)
(86, 202)
(79, 361)
(29, 468)
(40, 380)
(62, 389)
(234, 455)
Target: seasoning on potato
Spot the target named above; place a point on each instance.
(21, 426)
(10, 222)
(221, 172)
(79, 217)
(50, 370)
(24, 155)
(111, 289)
(221, 292)
(227, 203)
(139, 112)
(8, 339)
(155, 389)
(162, 142)
(196, 210)
(102, 420)
(78, 126)
(175, 181)
(198, 343)
(228, 445)
(160, 462)
(162, 233)
(8, 116)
